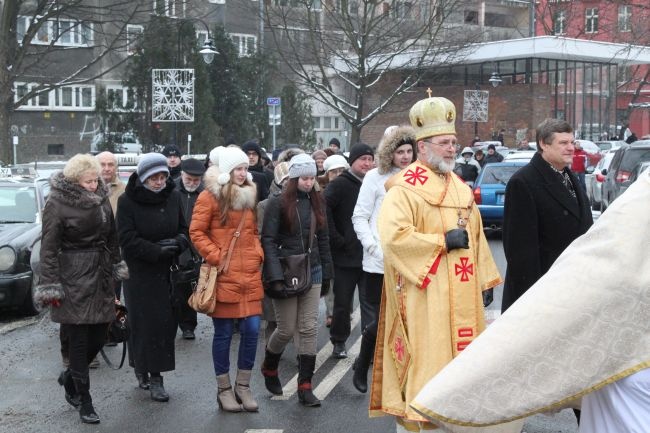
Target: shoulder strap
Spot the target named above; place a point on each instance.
(235, 236)
(312, 229)
(108, 361)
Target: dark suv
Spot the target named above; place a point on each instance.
(617, 177)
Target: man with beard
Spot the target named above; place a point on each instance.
(437, 266)
(190, 185)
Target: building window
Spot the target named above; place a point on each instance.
(326, 123)
(471, 17)
(40, 100)
(63, 32)
(591, 20)
(55, 149)
(133, 36)
(201, 37)
(120, 98)
(169, 8)
(559, 23)
(78, 97)
(246, 45)
(401, 9)
(623, 75)
(624, 18)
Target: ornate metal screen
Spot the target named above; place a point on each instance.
(173, 95)
(475, 106)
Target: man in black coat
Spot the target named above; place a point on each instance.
(545, 210)
(190, 185)
(347, 253)
(256, 169)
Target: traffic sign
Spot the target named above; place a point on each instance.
(274, 100)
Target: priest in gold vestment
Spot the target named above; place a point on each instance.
(437, 266)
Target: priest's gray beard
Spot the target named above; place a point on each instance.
(439, 164)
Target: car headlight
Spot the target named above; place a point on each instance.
(7, 258)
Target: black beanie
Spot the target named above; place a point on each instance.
(358, 150)
(252, 145)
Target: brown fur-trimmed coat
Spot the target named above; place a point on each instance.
(239, 289)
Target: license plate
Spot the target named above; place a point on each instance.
(500, 198)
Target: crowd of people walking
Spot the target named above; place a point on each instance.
(394, 222)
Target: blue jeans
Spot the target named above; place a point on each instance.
(249, 328)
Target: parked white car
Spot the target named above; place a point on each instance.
(594, 180)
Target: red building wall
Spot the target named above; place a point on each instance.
(611, 27)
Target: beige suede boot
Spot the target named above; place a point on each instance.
(225, 396)
(243, 391)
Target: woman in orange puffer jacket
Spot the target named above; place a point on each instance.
(229, 196)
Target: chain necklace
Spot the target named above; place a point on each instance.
(462, 221)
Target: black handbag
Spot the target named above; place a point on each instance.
(297, 268)
(185, 268)
(118, 332)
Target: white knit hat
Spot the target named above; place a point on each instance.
(335, 161)
(229, 158)
(302, 165)
(214, 155)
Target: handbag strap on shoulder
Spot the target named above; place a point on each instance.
(231, 247)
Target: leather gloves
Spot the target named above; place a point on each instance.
(488, 297)
(457, 238)
(324, 288)
(169, 248)
(182, 241)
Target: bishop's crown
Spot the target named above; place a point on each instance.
(433, 116)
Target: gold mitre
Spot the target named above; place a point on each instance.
(433, 116)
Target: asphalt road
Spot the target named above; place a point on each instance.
(32, 401)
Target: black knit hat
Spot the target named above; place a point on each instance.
(335, 141)
(358, 150)
(172, 150)
(252, 145)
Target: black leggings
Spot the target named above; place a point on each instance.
(84, 343)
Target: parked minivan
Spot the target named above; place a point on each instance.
(617, 177)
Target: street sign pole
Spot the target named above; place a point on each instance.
(15, 141)
(274, 123)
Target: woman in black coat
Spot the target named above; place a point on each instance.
(79, 261)
(287, 231)
(152, 232)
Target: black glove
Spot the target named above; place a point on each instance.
(488, 297)
(457, 238)
(278, 286)
(171, 242)
(324, 288)
(183, 242)
(168, 251)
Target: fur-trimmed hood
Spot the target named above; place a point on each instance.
(245, 195)
(395, 138)
(73, 194)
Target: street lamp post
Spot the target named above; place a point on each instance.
(207, 52)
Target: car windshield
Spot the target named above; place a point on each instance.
(17, 204)
(634, 156)
(498, 174)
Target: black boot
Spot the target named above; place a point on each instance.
(306, 366)
(362, 363)
(71, 396)
(270, 372)
(157, 389)
(143, 380)
(86, 410)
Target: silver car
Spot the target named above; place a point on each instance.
(594, 181)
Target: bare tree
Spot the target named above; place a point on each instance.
(52, 43)
(341, 51)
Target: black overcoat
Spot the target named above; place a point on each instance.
(144, 218)
(541, 219)
(341, 195)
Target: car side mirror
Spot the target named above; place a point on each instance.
(603, 172)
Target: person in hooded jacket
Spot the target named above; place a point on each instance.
(467, 168)
(80, 261)
(229, 199)
(152, 232)
(395, 152)
(287, 231)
